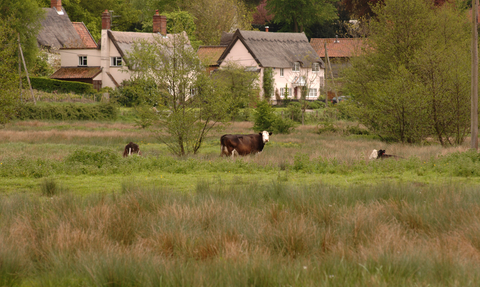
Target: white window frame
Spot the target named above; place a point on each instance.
(282, 72)
(296, 67)
(282, 92)
(116, 62)
(82, 61)
(316, 67)
(312, 93)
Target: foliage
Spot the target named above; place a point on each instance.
(190, 106)
(23, 17)
(68, 112)
(53, 85)
(212, 17)
(267, 120)
(301, 13)
(414, 81)
(294, 111)
(8, 78)
(268, 83)
(239, 87)
(137, 91)
(146, 116)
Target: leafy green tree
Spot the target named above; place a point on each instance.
(412, 81)
(24, 18)
(239, 87)
(301, 13)
(8, 76)
(190, 106)
(268, 83)
(266, 120)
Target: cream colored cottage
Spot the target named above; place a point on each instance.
(105, 65)
(294, 62)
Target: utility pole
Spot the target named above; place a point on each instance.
(474, 95)
(26, 71)
(325, 77)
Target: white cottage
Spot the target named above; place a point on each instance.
(105, 66)
(294, 62)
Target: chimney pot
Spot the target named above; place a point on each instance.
(106, 23)
(266, 28)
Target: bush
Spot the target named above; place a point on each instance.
(294, 111)
(316, 105)
(51, 85)
(137, 92)
(67, 112)
(267, 120)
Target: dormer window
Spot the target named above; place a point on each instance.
(116, 61)
(296, 67)
(82, 61)
(316, 67)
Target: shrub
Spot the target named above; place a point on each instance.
(51, 85)
(68, 111)
(294, 111)
(267, 120)
(137, 92)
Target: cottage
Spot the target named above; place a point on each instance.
(105, 65)
(294, 62)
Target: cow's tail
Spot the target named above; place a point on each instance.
(222, 146)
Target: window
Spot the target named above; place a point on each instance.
(312, 93)
(82, 60)
(116, 61)
(282, 93)
(281, 72)
(296, 67)
(316, 67)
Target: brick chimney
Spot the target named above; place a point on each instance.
(106, 23)
(57, 4)
(159, 23)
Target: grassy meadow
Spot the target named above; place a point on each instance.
(310, 210)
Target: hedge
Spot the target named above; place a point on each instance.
(68, 111)
(50, 85)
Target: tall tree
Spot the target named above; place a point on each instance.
(412, 81)
(8, 76)
(301, 13)
(189, 106)
(24, 18)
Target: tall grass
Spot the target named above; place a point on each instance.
(244, 233)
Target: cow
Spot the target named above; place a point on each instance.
(243, 144)
(381, 154)
(130, 149)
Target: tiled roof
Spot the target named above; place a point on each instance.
(209, 55)
(337, 47)
(276, 50)
(76, 73)
(85, 35)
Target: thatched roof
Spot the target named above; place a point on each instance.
(226, 38)
(58, 32)
(125, 41)
(276, 50)
(209, 55)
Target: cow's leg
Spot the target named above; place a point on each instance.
(233, 153)
(129, 151)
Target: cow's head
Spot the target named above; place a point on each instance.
(265, 136)
(374, 154)
(381, 152)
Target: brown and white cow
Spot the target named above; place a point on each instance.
(130, 149)
(243, 144)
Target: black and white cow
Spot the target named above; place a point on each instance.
(243, 144)
(381, 154)
(130, 149)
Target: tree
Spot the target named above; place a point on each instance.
(412, 81)
(268, 83)
(189, 105)
(301, 13)
(8, 75)
(215, 16)
(239, 87)
(24, 18)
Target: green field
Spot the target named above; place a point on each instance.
(311, 210)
